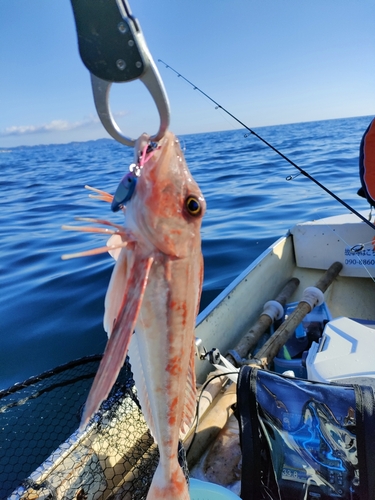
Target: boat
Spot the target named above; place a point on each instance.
(115, 456)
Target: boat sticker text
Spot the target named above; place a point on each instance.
(363, 257)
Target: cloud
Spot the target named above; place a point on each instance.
(53, 126)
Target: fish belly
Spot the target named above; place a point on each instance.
(161, 354)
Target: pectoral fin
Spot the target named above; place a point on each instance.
(117, 345)
(117, 288)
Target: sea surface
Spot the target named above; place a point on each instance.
(51, 310)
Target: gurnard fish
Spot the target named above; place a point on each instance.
(155, 291)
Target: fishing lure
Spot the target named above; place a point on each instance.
(128, 183)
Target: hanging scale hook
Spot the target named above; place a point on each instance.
(113, 49)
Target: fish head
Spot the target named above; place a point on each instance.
(167, 206)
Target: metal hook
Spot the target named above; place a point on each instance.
(113, 49)
(153, 83)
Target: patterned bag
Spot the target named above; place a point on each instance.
(305, 440)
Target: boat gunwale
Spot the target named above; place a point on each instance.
(203, 315)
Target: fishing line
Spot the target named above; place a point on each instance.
(303, 172)
(355, 250)
(197, 416)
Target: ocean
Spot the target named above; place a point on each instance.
(51, 310)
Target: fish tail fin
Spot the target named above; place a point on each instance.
(173, 487)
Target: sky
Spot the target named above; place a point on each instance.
(268, 62)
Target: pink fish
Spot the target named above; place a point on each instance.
(155, 290)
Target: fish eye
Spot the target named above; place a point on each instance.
(193, 205)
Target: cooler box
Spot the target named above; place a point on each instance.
(346, 350)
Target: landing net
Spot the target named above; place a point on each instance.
(42, 456)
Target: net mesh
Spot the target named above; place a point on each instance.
(115, 457)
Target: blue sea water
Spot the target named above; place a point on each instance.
(51, 310)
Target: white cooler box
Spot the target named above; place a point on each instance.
(346, 350)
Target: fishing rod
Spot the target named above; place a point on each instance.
(303, 172)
